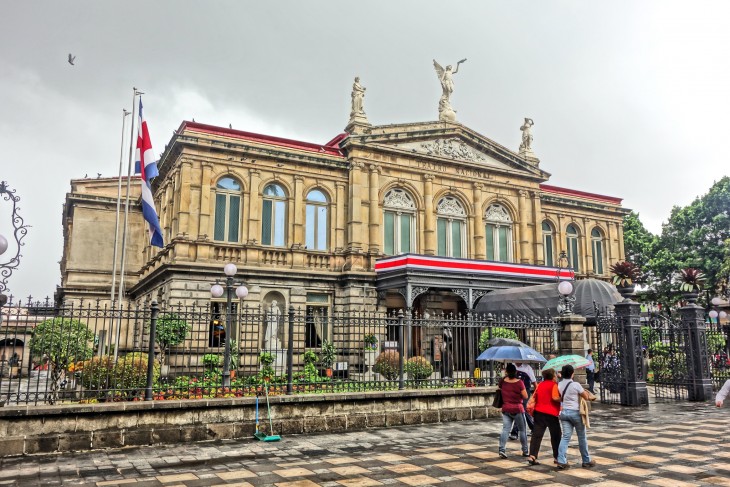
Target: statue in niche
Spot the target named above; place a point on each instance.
(446, 78)
(447, 355)
(358, 97)
(526, 145)
(273, 318)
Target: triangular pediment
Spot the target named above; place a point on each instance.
(449, 143)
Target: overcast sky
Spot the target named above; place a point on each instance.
(630, 99)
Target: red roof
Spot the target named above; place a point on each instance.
(330, 148)
(581, 194)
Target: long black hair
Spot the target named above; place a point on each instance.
(511, 371)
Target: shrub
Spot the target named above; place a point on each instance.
(418, 368)
(211, 361)
(328, 355)
(170, 331)
(310, 357)
(130, 372)
(497, 332)
(266, 358)
(387, 364)
(96, 373)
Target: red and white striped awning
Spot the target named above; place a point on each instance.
(469, 266)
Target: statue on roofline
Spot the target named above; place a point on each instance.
(446, 113)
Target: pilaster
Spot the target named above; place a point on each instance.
(354, 224)
(340, 216)
(480, 251)
(205, 190)
(298, 211)
(429, 221)
(186, 168)
(572, 341)
(254, 207)
(539, 257)
(524, 212)
(374, 213)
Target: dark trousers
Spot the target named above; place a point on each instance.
(591, 378)
(528, 419)
(542, 422)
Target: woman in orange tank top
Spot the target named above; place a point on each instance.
(546, 411)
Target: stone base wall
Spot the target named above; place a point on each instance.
(48, 429)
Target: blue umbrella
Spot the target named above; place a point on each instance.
(512, 353)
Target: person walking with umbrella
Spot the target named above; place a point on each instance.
(571, 419)
(546, 409)
(513, 411)
(527, 376)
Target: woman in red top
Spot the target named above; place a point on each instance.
(513, 392)
(547, 410)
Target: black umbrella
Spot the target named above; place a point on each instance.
(505, 342)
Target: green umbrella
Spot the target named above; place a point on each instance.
(576, 361)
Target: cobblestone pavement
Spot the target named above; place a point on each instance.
(672, 444)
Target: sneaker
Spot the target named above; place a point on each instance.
(502, 454)
(512, 437)
(590, 464)
(525, 454)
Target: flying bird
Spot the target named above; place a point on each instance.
(71, 59)
(86, 175)
(98, 175)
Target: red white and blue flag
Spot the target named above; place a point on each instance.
(146, 166)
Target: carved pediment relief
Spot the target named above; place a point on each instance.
(451, 148)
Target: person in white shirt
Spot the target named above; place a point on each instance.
(722, 394)
(591, 372)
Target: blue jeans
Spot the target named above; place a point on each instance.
(570, 419)
(507, 420)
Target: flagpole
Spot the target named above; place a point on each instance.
(125, 113)
(132, 144)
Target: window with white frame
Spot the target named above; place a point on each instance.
(316, 223)
(273, 218)
(498, 234)
(572, 240)
(597, 246)
(399, 222)
(548, 243)
(451, 227)
(226, 223)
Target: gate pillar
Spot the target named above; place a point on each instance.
(698, 361)
(634, 391)
(572, 341)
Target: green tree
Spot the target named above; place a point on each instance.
(170, 330)
(497, 332)
(61, 341)
(639, 243)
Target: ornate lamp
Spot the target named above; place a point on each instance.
(10, 262)
(217, 290)
(565, 288)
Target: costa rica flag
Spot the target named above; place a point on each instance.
(146, 166)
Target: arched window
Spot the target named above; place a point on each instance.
(451, 227)
(316, 224)
(571, 241)
(227, 210)
(273, 219)
(499, 233)
(548, 245)
(399, 222)
(597, 246)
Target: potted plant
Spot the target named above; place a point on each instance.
(328, 356)
(170, 331)
(267, 372)
(625, 274)
(370, 351)
(691, 284)
(418, 369)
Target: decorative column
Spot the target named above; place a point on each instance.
(340, 216)
(620, 238)
(480, 252)
(429, 220)
(204, 223)
(698, 361)
(374, 216)
(539, 256)
(633, 391)
(524, 237)
(298, 208)
(354, 223)
(572, 340)
(184, 211)
(254, 208)
(175, 202)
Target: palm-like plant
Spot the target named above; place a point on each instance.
(625, 273)
(692, 280)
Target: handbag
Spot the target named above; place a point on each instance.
(531, 404)
(498, 402)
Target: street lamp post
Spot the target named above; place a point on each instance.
(241, 292)
(565, 288)
(20, 229)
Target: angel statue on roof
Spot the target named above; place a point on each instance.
(446, 113)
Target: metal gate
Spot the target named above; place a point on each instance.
(666, 355)
(612, 356)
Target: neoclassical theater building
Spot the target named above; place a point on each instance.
(414, 216)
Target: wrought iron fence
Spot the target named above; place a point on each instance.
(718, 349)
(92, 352)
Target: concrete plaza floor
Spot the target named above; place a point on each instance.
(673, 444)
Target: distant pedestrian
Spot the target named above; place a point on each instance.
(570, 419)
(513, 410)
(722, 395)
(527, 376)
(546, 400)
(591, 371)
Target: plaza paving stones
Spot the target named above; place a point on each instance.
(672, 444)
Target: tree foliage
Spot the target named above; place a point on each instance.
(170, 330)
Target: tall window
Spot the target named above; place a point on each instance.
(227, 210)
(399, 222)
(273, 220)
(451, 227)
(548, 237)
(316, 319)
(597, 245)
(316, 225)
(499, 234)
(572, 236)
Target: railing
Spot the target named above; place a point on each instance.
(75, 356)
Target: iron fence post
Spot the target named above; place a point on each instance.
(290, 353)
(633, 389)
(401, 351)
(151, 351)
(697, 358)
(226, 381)
(490, 324)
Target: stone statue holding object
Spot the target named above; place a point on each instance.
(446, 78)
(357, 114)
(526, 145)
